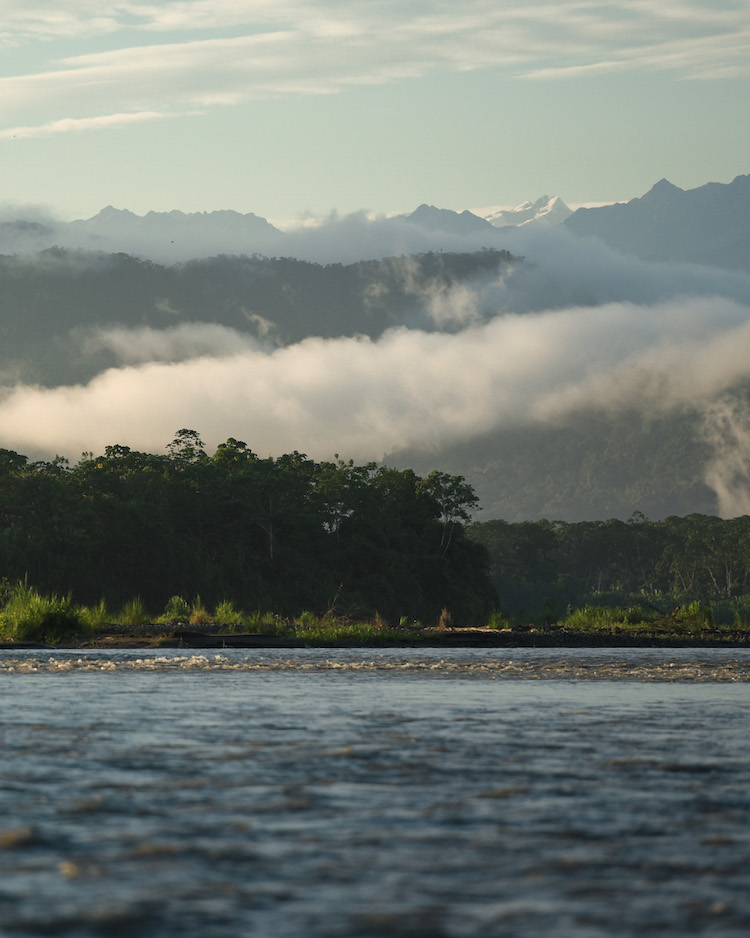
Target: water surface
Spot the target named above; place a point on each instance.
(515, 792)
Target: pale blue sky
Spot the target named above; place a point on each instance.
(284, 106)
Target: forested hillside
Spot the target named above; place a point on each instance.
(587, 465)
(54, 305)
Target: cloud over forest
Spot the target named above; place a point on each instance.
(363, 398)
(575, 326)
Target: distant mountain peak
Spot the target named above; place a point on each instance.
(663, 188)
(444, 219)
(545, 211)
(706, 225)
(110, 212)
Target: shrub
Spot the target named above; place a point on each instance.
(589, 618)
(176, 610)
(268, 623)
(446, 620)
(740, 611)
(699, 612)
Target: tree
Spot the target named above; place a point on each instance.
(456, 499)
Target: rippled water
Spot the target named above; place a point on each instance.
(375, 793)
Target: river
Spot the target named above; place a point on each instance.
(341, 793)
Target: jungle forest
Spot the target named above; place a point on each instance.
(286, 534)
(292, 535)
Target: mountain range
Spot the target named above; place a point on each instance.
(709, 225)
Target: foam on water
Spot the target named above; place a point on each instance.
(706, 665)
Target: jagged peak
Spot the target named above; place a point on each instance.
(109, 211)
(664, 187)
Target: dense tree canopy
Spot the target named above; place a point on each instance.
(547, 565)
(285, 534)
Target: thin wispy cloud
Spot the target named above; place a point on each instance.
(66, 125)
(172, 55)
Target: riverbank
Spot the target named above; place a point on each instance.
(206, 637)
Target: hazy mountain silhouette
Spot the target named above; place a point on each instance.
(443, 219)
(707, 225)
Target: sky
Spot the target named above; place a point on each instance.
(288, 107)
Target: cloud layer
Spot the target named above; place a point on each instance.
(363, 398)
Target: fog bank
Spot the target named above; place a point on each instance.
(363, 398)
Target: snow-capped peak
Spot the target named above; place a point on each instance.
(547, 210)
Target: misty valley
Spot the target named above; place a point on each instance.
(556, 379)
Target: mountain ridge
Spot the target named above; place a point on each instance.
(707, 225)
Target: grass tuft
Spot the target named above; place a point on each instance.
(133, 613)
(226, 613)
(28, 616)
(199, 615)
(96, 617)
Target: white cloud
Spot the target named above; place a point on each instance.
(68, 124)
(363, 398)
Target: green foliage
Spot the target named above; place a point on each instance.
(96, 617)
(176, 610)
(266, 623)
(590, 618)
(28, 616)
(227, 614)
(687, 620)
(740, 612)
(498, 621)
(342, 632)
(285, 533)
(664, 564)
(699, 612)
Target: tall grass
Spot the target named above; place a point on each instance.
(226, 613)
(133, 613)
(96, 617)
(28, 616)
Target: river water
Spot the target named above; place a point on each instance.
(504, 792)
